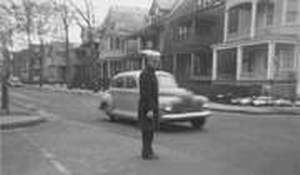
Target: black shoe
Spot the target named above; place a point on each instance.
(150, 157)
(154, 156)
(146, 156)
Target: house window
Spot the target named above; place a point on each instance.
(111, 43)
(118, 45)
(202, 64)
(292, 11)
(285, 55)
(285, 62)
(233, 20)
(270, 14)
(123, 45)
(182, 32)
(207, 3)
(255, 62)
(226, 65)
(265, 14)
(183, 66)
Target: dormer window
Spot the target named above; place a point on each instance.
(292, 11)
(208, 3)
(265, 14)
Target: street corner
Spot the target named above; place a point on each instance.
(22, 116)
(11, 122)
(254, 110)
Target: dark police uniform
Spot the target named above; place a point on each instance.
(148, 102)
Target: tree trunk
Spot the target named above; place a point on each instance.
(5, 97)
(41, 57)
(5, 90)
(68, 63)
(67, 75)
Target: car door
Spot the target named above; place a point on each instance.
(116, 90)
(132, 96)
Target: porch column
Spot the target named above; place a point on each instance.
(215, 64)
(139, 44)
(225, 26)
(108, 69)
(298, 74)
(174, 64)
(143, 63)
(297, 71)
(192, 63)
(253, 19)
(239, 61)
(271, 55)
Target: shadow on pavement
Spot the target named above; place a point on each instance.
(164, 128)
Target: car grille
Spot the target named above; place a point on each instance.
(186, 107)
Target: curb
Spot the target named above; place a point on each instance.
(254, 112)
(20, 122)
(15, 122)
(74, 91)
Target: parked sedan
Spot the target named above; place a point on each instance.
(176, 104)
(14, 82)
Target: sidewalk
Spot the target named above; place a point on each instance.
(19, 117)
(271, 110)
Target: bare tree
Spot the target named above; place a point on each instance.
(67, 16)
(44, 26)
(28, 13)
(85, 18)
(8, 26)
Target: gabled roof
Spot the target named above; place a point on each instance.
(125, 19)
(166, 5)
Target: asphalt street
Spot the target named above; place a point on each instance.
(237, 143)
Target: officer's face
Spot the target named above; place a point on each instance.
(153, 62)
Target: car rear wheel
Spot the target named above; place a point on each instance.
(198, 123)
(111, 117)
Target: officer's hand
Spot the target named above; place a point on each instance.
(156, 125)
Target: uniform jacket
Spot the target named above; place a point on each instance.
(148, 99)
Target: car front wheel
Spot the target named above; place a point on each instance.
(198, 123)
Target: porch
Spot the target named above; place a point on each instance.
(269, 63)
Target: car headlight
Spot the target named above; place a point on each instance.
(168, 108)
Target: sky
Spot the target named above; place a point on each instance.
(101, 9)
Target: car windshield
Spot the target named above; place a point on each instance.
(166, 82)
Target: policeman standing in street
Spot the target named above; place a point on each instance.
(148, 106)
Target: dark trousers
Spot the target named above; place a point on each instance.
(147, 137)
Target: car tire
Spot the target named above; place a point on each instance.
(198, 123)
(111, 117)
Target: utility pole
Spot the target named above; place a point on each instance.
(41, 61)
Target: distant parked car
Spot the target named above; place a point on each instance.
(242, 101)
(283, 102)
(176, 104)
(15, 82)
(263, 101)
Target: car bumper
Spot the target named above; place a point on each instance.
(185, 116)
